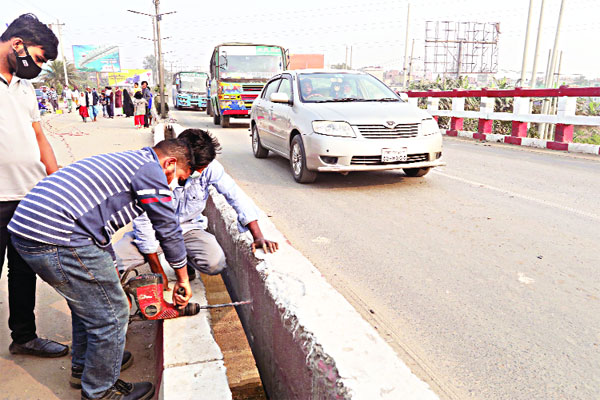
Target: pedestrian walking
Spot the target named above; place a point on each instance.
(110, 102)
(98, 105)
(91, 100)
(147, 94)
(68, 96)
(127, 104)
(67, 242)
(136, 88)
(140, 104)
(26, 157)
(53, 98)
(103, 103)
(118, 101)
(76, 95)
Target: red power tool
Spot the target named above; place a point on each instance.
(147, 292)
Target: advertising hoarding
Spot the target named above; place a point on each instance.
(96, 58)
(127, 77)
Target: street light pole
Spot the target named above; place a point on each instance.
(161, 72)
(526, 47)
(62, 50)
(405, 69)
(157, 50)
(533, 81)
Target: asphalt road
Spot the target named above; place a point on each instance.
(481, 275)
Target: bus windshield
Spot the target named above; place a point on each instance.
(250, 62)
(193, 82)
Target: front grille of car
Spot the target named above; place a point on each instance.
(383, 132)
(376, 160)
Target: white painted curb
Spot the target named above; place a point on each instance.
(308, 341)
(532, 142)
(192, 362)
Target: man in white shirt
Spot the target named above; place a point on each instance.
(68, 96)
(26, 157)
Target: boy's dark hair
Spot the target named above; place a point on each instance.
(138, 95)
(175, 148)
(204, 145)
(34, 33)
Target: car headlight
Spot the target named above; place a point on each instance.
(333, 128)
(429, 126)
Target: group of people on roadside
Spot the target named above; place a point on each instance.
(58, 223)
(90, 103)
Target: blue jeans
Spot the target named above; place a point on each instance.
(86, 277)
(93, 112)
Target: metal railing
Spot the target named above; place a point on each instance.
(564, 119)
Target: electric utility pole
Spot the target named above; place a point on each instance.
(533, 81)
(526, 47)
(62, 50)
(156, 18)
(405, 69)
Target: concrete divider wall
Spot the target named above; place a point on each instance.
(308, 341)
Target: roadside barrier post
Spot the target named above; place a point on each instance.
(433, 104)
(456, 123)
(484, 125)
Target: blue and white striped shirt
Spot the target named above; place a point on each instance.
(88, 201)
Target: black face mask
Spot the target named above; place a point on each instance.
(26, 67)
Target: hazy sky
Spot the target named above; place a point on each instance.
(375, 29)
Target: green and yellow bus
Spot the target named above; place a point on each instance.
(238, 73)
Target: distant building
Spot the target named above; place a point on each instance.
(305, 61)
(377, 72)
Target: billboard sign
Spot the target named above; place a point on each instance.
(95, 58)
(127, 77)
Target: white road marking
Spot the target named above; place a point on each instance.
(321, 240)
(525, 279)
(521, 196)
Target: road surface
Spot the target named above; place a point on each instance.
(481, 275)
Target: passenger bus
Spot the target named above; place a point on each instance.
(189, 90)
(238, 73)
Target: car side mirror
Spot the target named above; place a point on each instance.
(403, 96)
(280, 98)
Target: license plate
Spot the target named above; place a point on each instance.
(388, 155)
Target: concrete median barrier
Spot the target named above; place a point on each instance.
(308, 341)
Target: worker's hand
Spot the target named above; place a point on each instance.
(166, 281)
(181, 300)
(266, 245)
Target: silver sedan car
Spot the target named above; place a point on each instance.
(342, 121)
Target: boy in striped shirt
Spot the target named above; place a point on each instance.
(63, 230)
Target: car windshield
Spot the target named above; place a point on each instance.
(193, 82)
(343, 87)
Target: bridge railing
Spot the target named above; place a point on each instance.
(564, 119)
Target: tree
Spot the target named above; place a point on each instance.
(53, 74)
(150, 63)
(340, 66)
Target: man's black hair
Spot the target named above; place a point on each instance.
(34, 33)
(204, 145)
(175, 148)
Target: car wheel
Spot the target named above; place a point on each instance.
(257, 149)
(298, 162)
(225, 121)
(416, 172)
(216, 118)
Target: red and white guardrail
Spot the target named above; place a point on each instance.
(565, 118)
